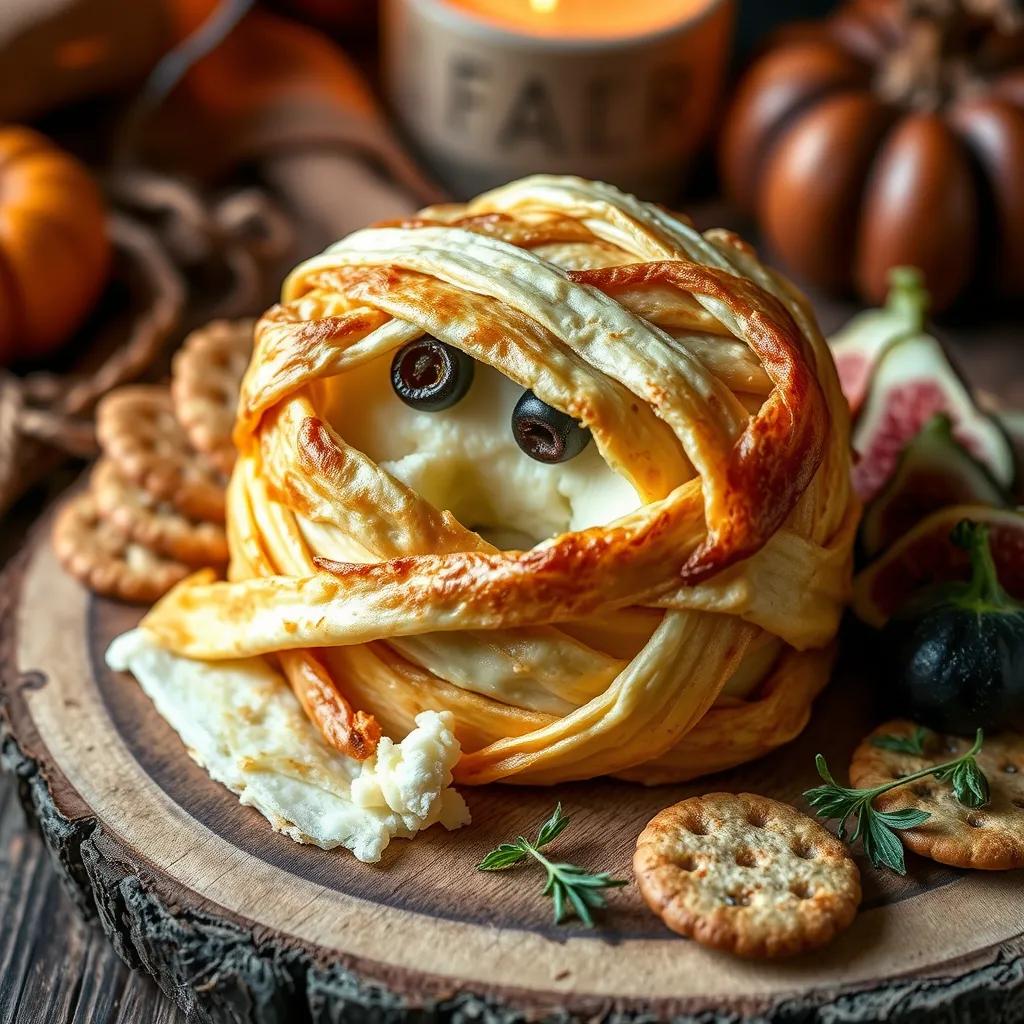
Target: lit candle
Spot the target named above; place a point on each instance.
(621, 90)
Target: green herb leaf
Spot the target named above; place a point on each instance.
(912, 744)
(553, 827)
(881, 844)
(571, 888)
(503, 857)
(581, 909)
(831, 802)
(859, 814)
(819, 763)
(834, 801)
(908, 817)
(970, 786)
(558, 897)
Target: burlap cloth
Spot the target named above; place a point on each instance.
(275, 103)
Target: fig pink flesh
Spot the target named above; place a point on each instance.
(909, 408)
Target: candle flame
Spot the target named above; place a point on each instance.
(544, 6)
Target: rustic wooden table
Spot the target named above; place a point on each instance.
(55, 969)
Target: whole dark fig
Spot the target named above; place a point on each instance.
(955, 654)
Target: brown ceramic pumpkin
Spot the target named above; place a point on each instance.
(890, 134)
(54, 250)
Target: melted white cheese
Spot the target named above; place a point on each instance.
(466, 460)
(242, 723)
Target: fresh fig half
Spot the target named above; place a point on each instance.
(912, 383)
(1011, 422)
(859, 345)
(926, 556)
(934, 471)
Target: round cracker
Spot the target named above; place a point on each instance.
(136, 428)
(206, 377)
(153, 524)
(989, 838)
(99, 556)
(745, 874)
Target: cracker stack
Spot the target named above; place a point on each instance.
(154, 510)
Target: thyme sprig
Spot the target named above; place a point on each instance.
(572, 889)
(877, 829)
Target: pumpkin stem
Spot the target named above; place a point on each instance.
(945, 43)
(1006, 15)
(984, 592)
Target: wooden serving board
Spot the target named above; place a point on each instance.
(238, 923)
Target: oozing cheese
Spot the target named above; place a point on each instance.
(241, 721)
(466, 460)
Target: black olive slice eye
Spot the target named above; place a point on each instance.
(545, 433)
(429, 375)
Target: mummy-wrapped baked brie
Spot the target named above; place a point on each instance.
(551, 463)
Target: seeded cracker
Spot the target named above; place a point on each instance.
(137, 429)
(989, 838)
(153, 524)
(747, 875)
(205, 382)
(100, 557)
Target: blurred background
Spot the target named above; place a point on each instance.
(828, 130)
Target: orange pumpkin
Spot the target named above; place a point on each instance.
(54, 249)
(877, 139)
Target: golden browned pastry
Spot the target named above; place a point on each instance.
(552, 461)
